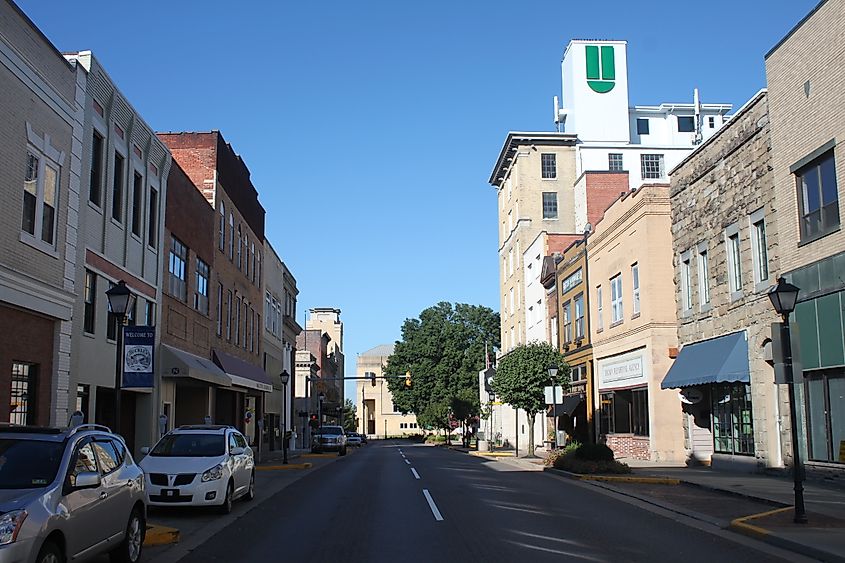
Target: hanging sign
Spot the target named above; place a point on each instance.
(138, 366)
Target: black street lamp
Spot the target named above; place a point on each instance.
(285, 377)
(784, 295)
(553, 378)
(320, 398)
(120, 302)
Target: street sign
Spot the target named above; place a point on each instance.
(558, 394)
(778, 353)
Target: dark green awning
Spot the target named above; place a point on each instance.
(722, 359)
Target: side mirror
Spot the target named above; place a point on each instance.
(236, 450)
(145, 450)
(87, 480)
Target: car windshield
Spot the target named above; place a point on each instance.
(331, 430)
(190, 445)
(29, 464)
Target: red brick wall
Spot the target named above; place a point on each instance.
(629, 446)
(603, 188)
(27, 338)
(559, 243)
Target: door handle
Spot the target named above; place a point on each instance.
(104, 495)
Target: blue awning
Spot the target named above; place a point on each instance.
(719, 360)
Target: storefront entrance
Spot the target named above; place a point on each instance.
(825, 404)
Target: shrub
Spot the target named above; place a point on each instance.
(594, 452)
(570, 461)
(554, 454)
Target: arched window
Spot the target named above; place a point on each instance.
(231, 236)
(222, 227)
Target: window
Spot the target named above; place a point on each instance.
(734, 261)
(268, 308)
(686, 282)
(624, 412)
(246, 324)
(825, 411)
(149, 313)
(90, 314)
(117, 189)
(616, 299)
(247, 255)
(95, 189)
(237, 321)
(40, 193)
(256, 271)
(111, 321)
(176, 267)
(642, 126)
(137, 203)
(818, 197)
(219, 309)
(240, 246)
(152, 220)
(759, 249)
(201, 293)
(222, 234)
(614, 162)
(703, 278)
(109, 460)
(84, 462)
(711, 121)
(579, 316)
(229, 315)
(549, 166)
(231, 236)
(635, 277)
(254, 266)
(686, 124)
(549, 205)
(733, 429)
(578, 373)
(251, 330)
(652, 165)
(567, 322)
(22, 409)
(510, 263)
(599, 308)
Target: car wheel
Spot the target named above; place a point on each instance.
(342, 451)
(129, 550)
(226, 507)
(250, 493)
(50, 553)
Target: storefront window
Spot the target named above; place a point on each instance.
(826, 416)
(624, 411)
(733, 429)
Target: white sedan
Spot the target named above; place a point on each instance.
(203, 465)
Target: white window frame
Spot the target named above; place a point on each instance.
(635, 286)
(556, 215)
(617, 314)
(703, 265)
(759, 252)
(686, 282)
(47, 155)
(599, 310)
(646, 159)
(733, 253)
(548, 172)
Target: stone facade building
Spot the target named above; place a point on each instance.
(725, 234)
(41, 130)
(377, 415)
(805, 77)
(633, 326)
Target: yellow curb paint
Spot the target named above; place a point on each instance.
(620, 479)
(283, 467)
(160, 535)
(741, 524)
(492, 454)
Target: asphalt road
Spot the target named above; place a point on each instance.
(371, 507)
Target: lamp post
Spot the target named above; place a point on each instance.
(285, 377)
(488, 384)
(320, 398)
(120, 301)
(553, 378)
(784, 295)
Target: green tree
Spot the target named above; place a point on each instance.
(443, 350)
(350, 421)
(521, 376)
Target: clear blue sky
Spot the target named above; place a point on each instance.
(371, 127)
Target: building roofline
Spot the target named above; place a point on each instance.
(37, 29)
(795, 28)
(664, 106)
(518, 138)
(762, 92)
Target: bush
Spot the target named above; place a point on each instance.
(594, 452)
(435, 439)
(571, 462)
(554, 454)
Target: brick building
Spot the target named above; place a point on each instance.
(41, 119)
(805, 77)
(725, 233)
(235, 284)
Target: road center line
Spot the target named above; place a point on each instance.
(437, 515)
(408, 462)
(414, 471)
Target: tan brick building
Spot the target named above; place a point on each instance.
(806, 76)
(377, 416)
(725, 236)
(633, 327)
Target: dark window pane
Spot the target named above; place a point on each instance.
(117, 188)
(95, 189)
(686, 124)
(827, 169)
(107, 457)
(152, 228)
(810, 185)
(642, 126)
(137, 197)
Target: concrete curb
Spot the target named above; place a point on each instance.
(615, 478)
(334, 454)
(161, 535)
(282, 467)
(742, 526)
(490, 454)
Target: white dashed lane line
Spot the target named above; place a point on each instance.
(434, 510)
(416, 475)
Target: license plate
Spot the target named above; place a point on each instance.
(170, 492)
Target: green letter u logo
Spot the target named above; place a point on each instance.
(600, 78)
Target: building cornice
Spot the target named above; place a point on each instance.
(516, 139)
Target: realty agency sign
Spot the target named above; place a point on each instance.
(138, 365)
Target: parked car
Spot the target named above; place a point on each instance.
(202, 465)
(69, 494)
(353, 439)
(329, 439)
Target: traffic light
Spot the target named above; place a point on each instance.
(408, 379)
(314, 423)
(373, 378)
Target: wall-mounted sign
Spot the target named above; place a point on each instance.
(138, 365)
(622, 371)
(571, 281)
(601, 68)
(691, 395)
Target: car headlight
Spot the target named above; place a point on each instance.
(213, 474)
(10, 525)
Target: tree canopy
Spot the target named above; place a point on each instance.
(444, 351)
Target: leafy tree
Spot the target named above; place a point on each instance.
(350, 420)
(444, 351)
(521, 376)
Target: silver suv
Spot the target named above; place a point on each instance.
(329, 439)
(69, 495)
